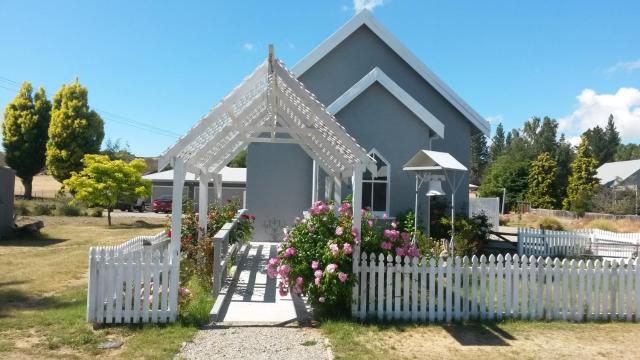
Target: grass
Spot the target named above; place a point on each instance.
(508, 340)
(43, 295)
(532, 220)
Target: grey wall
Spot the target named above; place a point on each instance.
(278, 187)
(7, 183)
(358, 55)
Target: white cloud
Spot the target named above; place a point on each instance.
(359, 5)
(627, 66)
(248, 46)
(594, 109)
(345, 8)
(573, 140)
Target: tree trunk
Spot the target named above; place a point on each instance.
(109, 215)
(27, 183)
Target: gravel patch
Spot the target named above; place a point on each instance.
(281, 343)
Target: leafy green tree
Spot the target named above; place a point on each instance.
(583, 183)
(542, 175)
(507, 172)
(627, 152)
(115, 151)
(603, 143)
(540, 135)
(479, 158)
(103, 182)
(497, 143)
(75, 130)
(564, 157)
(240, 161)
(24, 134)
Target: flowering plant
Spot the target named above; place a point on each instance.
(315, 257)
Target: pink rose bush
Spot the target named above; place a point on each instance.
(315, 257)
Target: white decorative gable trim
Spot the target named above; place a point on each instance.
(365, 17)
(377, 75)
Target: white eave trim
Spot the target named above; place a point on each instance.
(377, 75)
(365, 17)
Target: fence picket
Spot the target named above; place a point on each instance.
(499, 286)
(474, 286)
(364, 270)
(456, 289)
(441, 273)
(423, 290)
(381, 269)
(432, 290)
(373, 269)
(465, 288)
(390, 271)
(397, 299)
(414, 289)
(406, 288)
(483, 287)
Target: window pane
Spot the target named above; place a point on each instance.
(379, 197)
(366, 175)
(366, 195)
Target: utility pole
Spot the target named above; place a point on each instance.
(504, 198)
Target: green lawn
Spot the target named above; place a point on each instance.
(43, 295)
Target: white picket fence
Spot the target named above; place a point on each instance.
(135, 282)
(435, 290)
(586, 242)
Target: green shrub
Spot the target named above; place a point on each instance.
(96, 212)
(471, 235)
(67, 209)
(43, 209)
(21, 208)
(603, 224)
(549, 223)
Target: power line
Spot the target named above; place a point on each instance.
(13, 86)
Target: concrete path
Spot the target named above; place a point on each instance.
(254, 296)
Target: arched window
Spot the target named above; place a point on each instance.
(375, 187)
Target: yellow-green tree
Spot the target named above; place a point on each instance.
(75, 130)
(583, 183)
(103, 182)
(542, 175)
(24, 133)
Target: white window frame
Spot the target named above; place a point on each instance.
(388, 182)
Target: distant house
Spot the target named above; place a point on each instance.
(620, 173)
(233, 185)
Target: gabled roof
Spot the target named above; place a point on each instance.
(619, 171)
(377, 75)
(270, 105)
(426, 160)
(365, 17)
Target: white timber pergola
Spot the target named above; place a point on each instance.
(270, 106)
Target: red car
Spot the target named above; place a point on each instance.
(162, 204)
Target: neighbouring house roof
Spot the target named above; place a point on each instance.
(271, 105)
(426, 160)
(616, 172)
(366, 18)
(229, 176)
(377, 75)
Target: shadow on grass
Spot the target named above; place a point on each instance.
(138, 224)
(15, 299)
(30, 240)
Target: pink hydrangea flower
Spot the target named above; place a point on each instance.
(385, 245)
(355, 233)
(291, 251)
(345, 209)
(284, 270)
(370, 222)
(400, 251)
(342, 277)
(384, 216)
(334, 249)
(332, 268)
(339, 231)
(405, 236)
(299, 280)
(413, 251)
(318, 273)
(282, 289)
(347, 248)
(391, 234)
(317, 281)
(314, 265)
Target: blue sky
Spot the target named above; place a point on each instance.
(166, 64)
